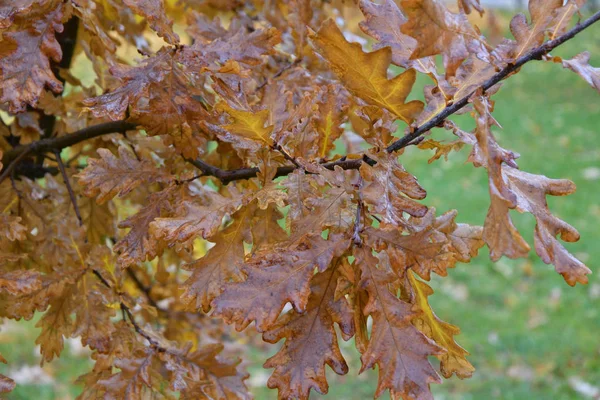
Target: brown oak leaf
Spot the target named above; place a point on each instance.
(532, 35)
(110, 176)
(383, 22)
(154, 12)
(580, 64)
(11, 227)
(329, 118)
(138, 245)
(275, 277)
(20, 282)
(221, 264)
(194, 217)
(396, 345)
(511, 188)
(440, 31)
(389, 189)
(469, 5)
(25, 59)
(310, 340)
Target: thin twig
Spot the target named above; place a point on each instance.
(286, 155)
(139, 330)
(127, 311)
(9, 168)
(534, 54)
(63, 172)
(143, 288)
(102, 279)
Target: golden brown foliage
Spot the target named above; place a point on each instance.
(221, 196)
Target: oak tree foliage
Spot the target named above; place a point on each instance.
(170, 168)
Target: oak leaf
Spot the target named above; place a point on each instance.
(390, 190)
(246, 46)
(471, 74)
(383, 23)
(138, 245)
(417, 251)
(531, 191)
(99, 219)
(396, 345)
(265, 228)
(275, 277)
(511, 188)
(365, 74)
(562, 17)
(247, 125)
(580, 64)
(453, 361)
(462, 240)
(469, 5)
(205, 373)
(52, 286)
(433, 245)
(11, 227)
(310, 340)
(11, 9)
(133, 83)
(221, 264)
(25, 61)
(56, 324)
(441, 149)
(499, 232)
(20, 282)
(532, 35)
(138, 377)
(329, 118)
(194, 217)
(154, 12)
(110, 176)
(440, 31)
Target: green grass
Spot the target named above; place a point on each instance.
(527, 330)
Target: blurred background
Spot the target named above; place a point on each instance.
(531, 336)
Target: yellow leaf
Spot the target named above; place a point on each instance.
(365, 74)
(115, 305)
(248, 124)
(442, 333)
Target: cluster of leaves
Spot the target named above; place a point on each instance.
(220, 130)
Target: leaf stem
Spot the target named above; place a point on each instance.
(63, 172)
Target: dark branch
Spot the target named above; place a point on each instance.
(59, 143)
(67, 39)
(226, 176)
(534, 54)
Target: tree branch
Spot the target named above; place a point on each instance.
(59, 143)
(534, 54)
(127, 312)
(226, 176)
